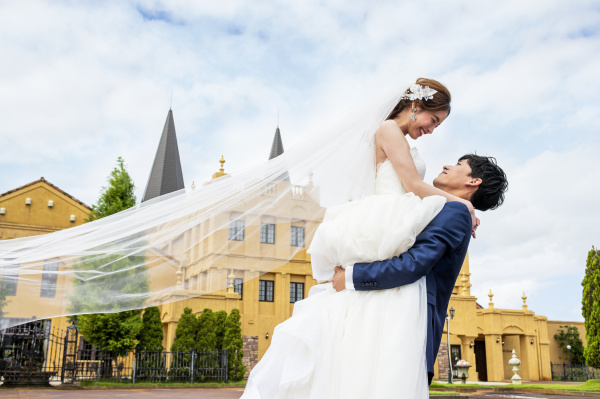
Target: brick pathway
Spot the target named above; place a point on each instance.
(233, 393)
(514, 395)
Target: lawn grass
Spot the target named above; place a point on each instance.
(588, 386)
(163, 384)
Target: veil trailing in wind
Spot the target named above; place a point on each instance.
(190, 242)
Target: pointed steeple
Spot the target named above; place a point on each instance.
(166, 175)
(277, 150)
(277, 146)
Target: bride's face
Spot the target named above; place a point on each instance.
(425, 122)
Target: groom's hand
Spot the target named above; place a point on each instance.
(339, 279)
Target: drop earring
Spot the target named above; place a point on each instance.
(413, 117)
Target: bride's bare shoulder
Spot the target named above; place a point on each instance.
(388, 128)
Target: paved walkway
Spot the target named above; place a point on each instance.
(233, 393)
(229, 393)
(511, 395)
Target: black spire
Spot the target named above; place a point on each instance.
(166, 175)
(277, 147)
(277, 150)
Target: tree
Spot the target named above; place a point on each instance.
(205, 337)
(220, 318)
(233, 341)
(119, 194)
(570, 336)
(185, 333)
(183, 345)
(115, 332)
(151, 335)
(121, 285)
(150, 362)
(591, 308)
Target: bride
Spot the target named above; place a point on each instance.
(358, 344)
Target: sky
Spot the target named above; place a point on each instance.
(84, 82)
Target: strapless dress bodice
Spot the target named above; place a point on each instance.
(387, 180)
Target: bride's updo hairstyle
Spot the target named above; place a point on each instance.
(439, 102)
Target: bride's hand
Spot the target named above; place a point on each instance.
(474, 219)
(477, 223)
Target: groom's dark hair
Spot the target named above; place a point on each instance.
(490, 194)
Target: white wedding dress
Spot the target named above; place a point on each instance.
(356, 344)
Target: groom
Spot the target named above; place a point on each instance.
(439, 251)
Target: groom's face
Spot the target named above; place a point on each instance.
(454, 177)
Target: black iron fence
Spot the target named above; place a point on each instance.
(35, 354)
(31, 354)
(152, 366)
(566, 371)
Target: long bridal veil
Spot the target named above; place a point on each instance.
(191, 242)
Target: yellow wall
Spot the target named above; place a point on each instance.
(556, 353)
(209, 263)
(22, 220)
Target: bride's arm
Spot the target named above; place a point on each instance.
(390, 139)
(392, 142)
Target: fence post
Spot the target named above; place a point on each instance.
(134, 365)
(587, 373)
(226, 365)
(236, 365)
(192, 367)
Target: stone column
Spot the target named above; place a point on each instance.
(468, 354)
(250, 348)
(493, 353)
(250, 303)
(529, 361)
(283, 297)
(442, 360)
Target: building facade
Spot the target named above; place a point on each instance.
(36, 208)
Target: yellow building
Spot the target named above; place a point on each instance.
(36, 208)
(257, 253)
(486, 337)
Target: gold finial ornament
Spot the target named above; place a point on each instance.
(221, 171)
(524, 298)
(491, 303)
(465, 282)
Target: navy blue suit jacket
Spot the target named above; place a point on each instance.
(438, 253)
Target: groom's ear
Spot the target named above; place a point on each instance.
(474, 182)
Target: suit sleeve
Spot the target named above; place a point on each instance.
(445, 233)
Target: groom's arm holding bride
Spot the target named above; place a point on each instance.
(445, 238)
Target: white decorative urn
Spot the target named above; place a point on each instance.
(515, 363)
(462, 370)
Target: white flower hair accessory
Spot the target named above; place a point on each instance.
(418, 92)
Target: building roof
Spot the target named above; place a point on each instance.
(40, 180)
(277, 150)
(277, 146)
(166, 175)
